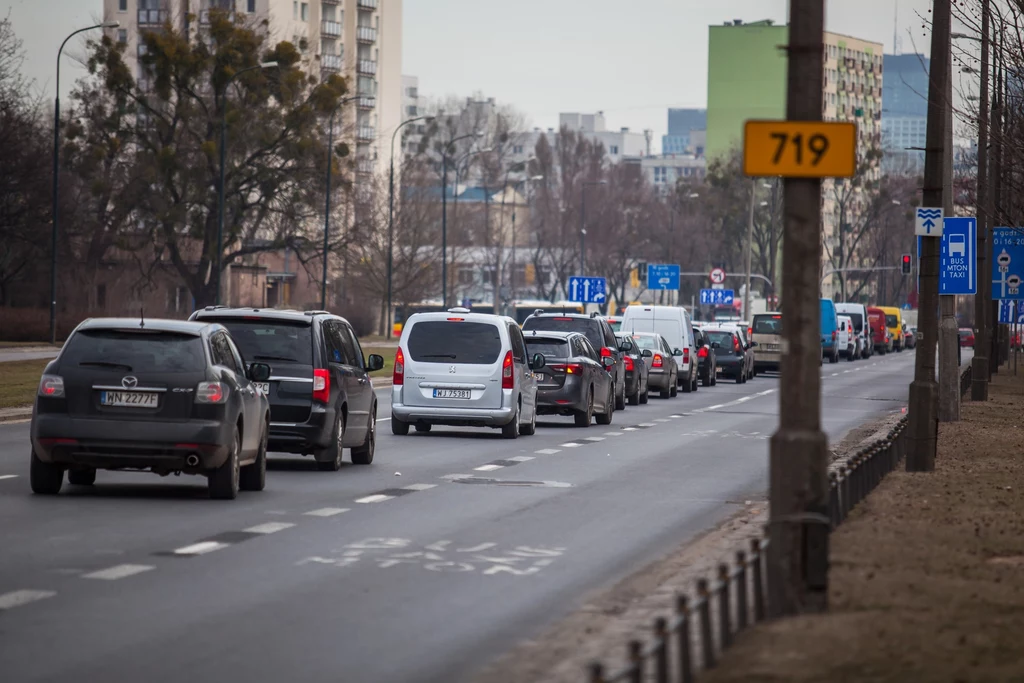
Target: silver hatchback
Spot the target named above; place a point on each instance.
(464, 369)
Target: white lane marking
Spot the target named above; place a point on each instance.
(268, 528)
(571, 444)
(548, 451)
(419, 487)
(594, 438)
(8, 476)
(613, 433)
(522, 458)
(325, 512)
(847, 372)
(720, 405)
(661, 419)
(119, 572)
(629, 429)
(834, 374)
(741, 400)
(200, 548)
(648, 424)
(23, 597)
(488, 468)
(376, 498)
(765, 393)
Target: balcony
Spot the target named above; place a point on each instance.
(364, 166)
(204, 15)
(366, 134)
(330, 28)
(366, 102)
(366, 34)
(151, 17)
(367, 66)
(330, 62)
(367, 4)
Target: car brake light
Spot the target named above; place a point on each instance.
(212, 392)
(629, 363)
(736, 344)
(686, 355)
(703, 352)
(398, 375)
(507, 380)
(561, 318)
(656, 363)
(321, 386)
(456, 320)
(51, 386)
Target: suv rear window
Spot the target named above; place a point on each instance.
(136, 350)
(551, 348)
(587, 326)
(724, 339)
(271, 340)
(439, 341)
(767, 324)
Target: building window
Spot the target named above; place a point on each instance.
(517, 149)
(122, 6)
(613, 149)
(250, 6)
(305, 11)
(411, 110)
(295, 10)
(412, 92)
(122, 35)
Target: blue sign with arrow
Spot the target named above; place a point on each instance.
(588, 290)
(1007, 307)
(928, 221)
(662, 276)
(1007, 262)
(958, 257)
(724, 297)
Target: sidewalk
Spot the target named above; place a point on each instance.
(927, 574)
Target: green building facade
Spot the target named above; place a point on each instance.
(746, 80)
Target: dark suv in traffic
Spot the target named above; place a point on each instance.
(321, 396)
(160, 395)
(600, 335)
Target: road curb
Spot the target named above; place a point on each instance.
(12, 414)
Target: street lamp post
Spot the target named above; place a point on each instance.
(223, 161)
(444, 212)
(512, 277)
(391, 213)
(459, 163)
(56, 179)
(499, 276)
(327, 202)
(583, 223)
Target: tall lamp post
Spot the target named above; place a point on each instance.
(499, 246)
(56, 179)
(583, 223)
(391, 212)
(512, 275)
(327, 201)
(223, 162)
(444, 212)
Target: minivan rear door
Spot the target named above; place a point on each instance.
(454, 363)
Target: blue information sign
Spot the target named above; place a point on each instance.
(1007, 262)
(717, 296)
(662, 276)
(958, 257)
(1007, 307)
(588, 290)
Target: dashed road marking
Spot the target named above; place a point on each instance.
(120, 571)
(375, 498)
(629, 429)
(571, 444)
(418, 487)
(661, 419)
(200, 548)
(23, 597)
(8, 476)
(523, 458)
(613, 433)
(594, 438)
(834, 374)
(268, 528)
(647, 424)
(326, 512)
(548, 451)
(715, 407)
(488, 468)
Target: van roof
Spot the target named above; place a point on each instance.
(457, 316)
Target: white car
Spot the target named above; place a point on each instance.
(674, 324)
(847, 341)
(861, 326)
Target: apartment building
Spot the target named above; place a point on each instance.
(682, 124)
(359, 39)
(904, 113)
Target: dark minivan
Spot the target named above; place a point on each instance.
(321, 396)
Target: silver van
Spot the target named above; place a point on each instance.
(464, 369)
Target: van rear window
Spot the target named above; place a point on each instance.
(440, 341)
(767, 324)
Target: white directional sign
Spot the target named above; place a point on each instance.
(928, 221)
(717, 276)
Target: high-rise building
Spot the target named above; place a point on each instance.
(413, 133)
(681, 123)
(904, 113)
(359, 39)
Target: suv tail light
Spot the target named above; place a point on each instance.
(569, 369)
(606, 353)
(321, 386)
(735, 343)
(212, 392)
(703, 352)
(51, 386)
(629, 363)
(656, 363)
(398, 375)
(507, 380)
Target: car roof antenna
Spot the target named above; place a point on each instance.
(142, 317)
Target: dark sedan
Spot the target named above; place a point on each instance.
(707, 358)
(731, 361)
(637, 389)
(574, 380)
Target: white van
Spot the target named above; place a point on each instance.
(861, 325)
(846, 341)
(674, 324)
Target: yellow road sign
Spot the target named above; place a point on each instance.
(800, 149)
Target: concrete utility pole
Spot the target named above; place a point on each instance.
(924, 394)
(982, 304)
(995, 190)
(949, 332)
(750, 248)
(798, 462)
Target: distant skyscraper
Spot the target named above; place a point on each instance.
(681, 122)
(904, 112)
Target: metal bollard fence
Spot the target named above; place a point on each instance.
(704, 609)
(683, 642)
(660, 648)
(724, 613)
(741, 590)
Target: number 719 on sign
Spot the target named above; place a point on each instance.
(800, 149)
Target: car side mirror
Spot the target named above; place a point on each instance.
(608, 361)
(625, 347)
(538, 361)
(716, 345)
(259, 372)
(647, 353)
(374, 362)
(753, 344)
(677, 352)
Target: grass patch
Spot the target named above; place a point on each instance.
(19, 381)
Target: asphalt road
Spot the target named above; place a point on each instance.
(364, 575)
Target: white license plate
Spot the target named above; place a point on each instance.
(129, 399)
(263, 387)
(718, 368)
(540, 377)
(452, 393)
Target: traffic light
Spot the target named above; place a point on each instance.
(905, 264)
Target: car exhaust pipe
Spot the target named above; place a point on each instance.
(192, 460)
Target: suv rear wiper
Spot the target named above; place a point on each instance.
(440, 355)
(284, 358)
(106, 364)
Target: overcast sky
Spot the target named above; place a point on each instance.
(631, 60)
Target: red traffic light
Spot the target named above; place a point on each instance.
(905, 268)
(906, 258)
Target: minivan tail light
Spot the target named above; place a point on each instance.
(629, 363)
(212, 392)
(686, 355)
(321, 386)
(656, 363)
(398, 375)
(606, 353)
(507, 380)
(51, 386)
